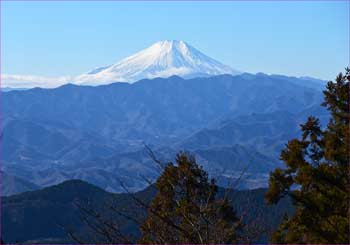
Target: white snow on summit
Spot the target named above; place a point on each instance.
(162, 59)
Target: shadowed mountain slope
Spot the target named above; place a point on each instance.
(38, 216)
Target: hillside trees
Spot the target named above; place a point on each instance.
(186, 210)
(317, 174)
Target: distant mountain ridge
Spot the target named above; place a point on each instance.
(11, 185)
(98, 133)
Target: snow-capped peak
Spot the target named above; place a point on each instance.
(162, 59)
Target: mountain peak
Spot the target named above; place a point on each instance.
(171, 43)
(168, 46)
(162, 59)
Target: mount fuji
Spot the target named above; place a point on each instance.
(162, 59)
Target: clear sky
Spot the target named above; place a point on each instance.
(69, 38)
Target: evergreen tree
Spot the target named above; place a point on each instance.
(317, 174)
(185, 209)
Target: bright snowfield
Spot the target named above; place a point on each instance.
(162, 59)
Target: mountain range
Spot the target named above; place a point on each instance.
(98, 134)
(170, 97)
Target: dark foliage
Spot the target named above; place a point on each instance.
(38, 216)
(317, 175)
(186, 210)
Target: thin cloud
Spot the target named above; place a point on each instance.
(30, 81)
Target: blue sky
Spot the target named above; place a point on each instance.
(69, 38)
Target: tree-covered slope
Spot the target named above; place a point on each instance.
(38, 216)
